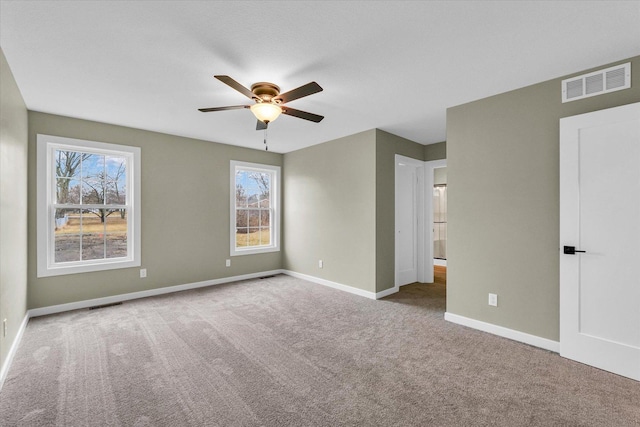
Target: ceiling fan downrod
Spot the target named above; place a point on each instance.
(266, 147)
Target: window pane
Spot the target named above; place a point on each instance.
(241, 217)
(93, 229)
(67, 221)
(253, 201)
(253, 237)
(116, 179)
(265, 218)
(263, 183)
(92, 166)
(244, 189)
(241, 193)
(67, 191)
(116, 234)
(116, 221)
(252, 188)
(92, 246)
(254, 218)
(241, 198)
(265, 236)
(92, 192)
(93, 220)
(242, 237)
(115, 195)
(116, 245)
(67, 247)
(68, 164)
(62, 190)
(75, 188)
(67, 235)
(93, 179)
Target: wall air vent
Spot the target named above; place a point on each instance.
(597, 83)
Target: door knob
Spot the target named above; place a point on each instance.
(571, 250)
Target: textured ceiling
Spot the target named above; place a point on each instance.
(391, 65)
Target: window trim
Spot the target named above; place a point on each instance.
(275, 202)
(46, 145)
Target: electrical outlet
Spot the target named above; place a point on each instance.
(493, 300)
(143, 273)
(227, 263)
(320, 264)
(4, 328)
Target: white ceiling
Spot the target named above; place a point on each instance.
(391, 65)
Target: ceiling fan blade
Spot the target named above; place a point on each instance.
(302, 114)
(261, 125)
(232, 107)
(302, 91)
(237, 86)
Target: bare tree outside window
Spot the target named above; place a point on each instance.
(87, 206)
(253, 208)
(90, 188)
(67, 172)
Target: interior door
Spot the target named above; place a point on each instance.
(600, 215)
(406, 222)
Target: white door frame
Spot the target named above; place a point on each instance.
(424, 204)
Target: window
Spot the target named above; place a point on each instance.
(255, 208)
(88, 206)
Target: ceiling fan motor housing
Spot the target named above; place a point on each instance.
(265, 91)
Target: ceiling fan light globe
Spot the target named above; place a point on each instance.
(266, 112)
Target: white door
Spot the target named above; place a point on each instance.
(406, 185)
(600, 215)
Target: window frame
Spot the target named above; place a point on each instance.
(46, 205)
(274, 203)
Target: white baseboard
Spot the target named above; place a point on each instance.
(440, 262)
(504, 332)
(329, 283)
(52, 309)
(12, 351)
(387, 292)
(341, 287)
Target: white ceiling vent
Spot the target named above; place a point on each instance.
(597, 83)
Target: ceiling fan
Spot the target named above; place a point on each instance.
(269, 102)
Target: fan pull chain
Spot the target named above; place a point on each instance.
(266, 147)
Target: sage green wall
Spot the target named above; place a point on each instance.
(503, 202)
(185, 213)
(436, 151)
(330, 210)
(387, 146)
(13, 207)
(340, 207)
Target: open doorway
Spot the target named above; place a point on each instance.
(414, 220)
(436, 208)
(440, 225)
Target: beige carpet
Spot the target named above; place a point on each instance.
(284, 352)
